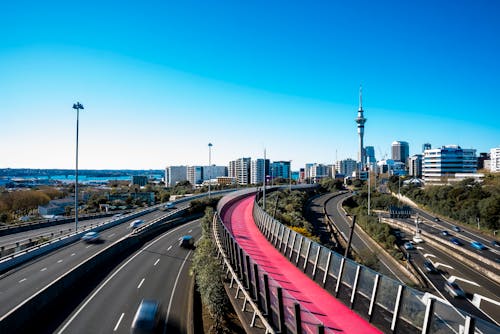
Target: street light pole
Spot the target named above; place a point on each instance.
(290, 175)
(368, 192)
(77, 106)
(209, 168)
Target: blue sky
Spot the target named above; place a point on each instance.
(159, 80)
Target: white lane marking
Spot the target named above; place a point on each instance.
(59, 261)
(140, 284)
(43, 269)
(455, 278)
(118, 323)
(156, 262)
(87, 246)
(175, 285)
(439, 264)
(111, 235)
(420, 248)
(109, 279)
(190, 231)
(73, 254)
(169, 248)
(429, 255)
(24, 279)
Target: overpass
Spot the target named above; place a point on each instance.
(300, 286)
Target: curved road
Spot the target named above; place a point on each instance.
(160, 271)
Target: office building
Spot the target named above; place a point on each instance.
(318, 171)
(280, 169)
(426, 146)
(346, 167)
(240, 170)
(139, 180)
(259, 168)
(400, 151)
(361, 120)
(175, 174)
(495, 160)
(448, 164)
(415, 165)
(194, 174)
(370, 155)
(213, 172)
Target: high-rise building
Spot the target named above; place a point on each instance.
(213, 172)
(448, 164)
(280, 169)
(346, 167)
(370, 155)
(194, 174)
(400, 151)
(240, 170)
(415, 165)
(426, 146)
(140, 180)
(318, 171)
(259, 168)
(495, 160)
(361, 120)
(175, 174)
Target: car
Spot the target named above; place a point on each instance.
(136, 223)
(436, 219)
(147, 318)
(186, 241)
(456, 229)
(477, 245)
(409, 245)
(429, 267)
(118, 215)
(495, 243)
(91, 237)
(169, 205)
(456, 241)
(445, 233)
(417, 239)
(454, 290)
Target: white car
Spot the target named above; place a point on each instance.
(91, 237)
(418, 239)
(136, 223)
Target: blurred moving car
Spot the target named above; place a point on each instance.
(456, 241)
(136, 223)
(454, 290)
(147, 317)
(91, 237)
(417, 239)
(456, 229)
(186, 241)
(445, 233)
(495, 243)
(409, 245)
(429, 267)
(477, 245)
(169, 205)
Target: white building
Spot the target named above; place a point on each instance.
(346, 167)
(415, 165)
(259, 168)
(318, 171)
(175, 174)
(495, 160)
(240, 170)
(213, 172)
(195, 174)
(448, 164)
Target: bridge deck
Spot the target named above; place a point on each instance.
(335, 316)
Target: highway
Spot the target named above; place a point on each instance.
(159, 270)
(333, 209)
(22, 282)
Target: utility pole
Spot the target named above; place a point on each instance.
(76, 106)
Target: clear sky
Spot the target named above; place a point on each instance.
(159, 80)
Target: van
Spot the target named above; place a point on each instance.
(147, 319)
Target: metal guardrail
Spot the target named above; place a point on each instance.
(234, 279)
(386, 303)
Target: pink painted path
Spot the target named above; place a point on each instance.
(335, 316)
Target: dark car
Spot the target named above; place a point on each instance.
(147, 319)
(445, 233)
(186, 241)
(429, 267)
(436, 219)
(456, 229)
(495, 243)
(456, 241)
(454, 290)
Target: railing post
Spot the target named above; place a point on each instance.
(268, 299)
(281, 310)
(298, 320)
(257, 285)
(374, 297)
(355, 285)
(307, 256)
(298, 250)
(293, 245)
(395, 314)
(249, 277)
(327, 267)
(321, 329)
(242, 266)
(470, 325)
(316, 263)
(429, 310)
(339, 276)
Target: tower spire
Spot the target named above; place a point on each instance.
(360, 97)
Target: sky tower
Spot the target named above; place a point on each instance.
(361, 120)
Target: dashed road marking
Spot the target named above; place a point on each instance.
(429, 255)
(455, 278)
(111, 235)
(24, 279)
(156, 262)
(59, 261)
(190, 231)
(169, 248)
(439, 264)
(73, 254)
(140, 284)
(118, 323)
(43, 269)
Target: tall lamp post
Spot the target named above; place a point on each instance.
(290, 175)
(76, 106)
(209, 168)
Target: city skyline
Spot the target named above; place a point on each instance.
(161, 81)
